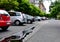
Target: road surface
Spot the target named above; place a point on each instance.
(14, 29)
(50, 32)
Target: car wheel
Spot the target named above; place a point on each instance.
(29, 21)
(17, 22)
(38, 19)
(4, 28)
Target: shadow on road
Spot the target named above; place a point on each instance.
(19, 25)
(3, 31)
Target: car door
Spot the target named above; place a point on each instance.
(12, 16)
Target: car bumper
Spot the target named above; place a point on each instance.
(5, 23)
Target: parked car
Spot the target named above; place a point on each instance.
(33, 18)
(25, 18)
(29, 19)
(37, 18)
(44, 18)
(5, 21)
(17, 18)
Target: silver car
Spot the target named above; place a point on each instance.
(17, 18)
(37, 18)
(29, 19)
(25, 18)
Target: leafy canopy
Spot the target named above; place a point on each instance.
(55, 9)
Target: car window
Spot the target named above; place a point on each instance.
(12, 14)
(18, 14)
(5, 13)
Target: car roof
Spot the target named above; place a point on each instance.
(15, 11)
(3, 12)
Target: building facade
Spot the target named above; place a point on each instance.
(38, 4)
(35, 2)
(41, 6)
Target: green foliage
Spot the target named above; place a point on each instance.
(21, 5)
(55, 9)
(48, 15)
(28, 8)
(58, 17)
(9, 4)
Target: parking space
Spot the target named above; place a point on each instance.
(14, 29)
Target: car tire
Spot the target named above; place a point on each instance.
(30, 22)
(17, 23)
(4, 28)
(38, 19)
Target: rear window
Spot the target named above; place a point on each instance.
(12, 14)
(3, 12)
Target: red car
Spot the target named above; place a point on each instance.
(5, 21)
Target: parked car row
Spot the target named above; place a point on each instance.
(19, 18)
(30, 19)
(38, 18)
(16, 18)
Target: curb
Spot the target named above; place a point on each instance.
(22, 36)
(31, 34)
(18, 36)
(34, 31)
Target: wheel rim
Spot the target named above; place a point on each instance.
(28, 21)
(17, 22)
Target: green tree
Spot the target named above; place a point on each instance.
(9, 4)
(55, 9)
(28, 8)
(21, 5)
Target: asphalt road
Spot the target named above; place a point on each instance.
(50, 32)
(14, 29)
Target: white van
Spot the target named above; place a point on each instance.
(17, 18)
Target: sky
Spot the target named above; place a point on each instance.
(47, 4)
